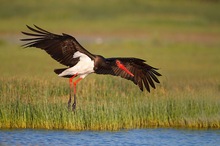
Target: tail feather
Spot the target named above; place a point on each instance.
(60, 70)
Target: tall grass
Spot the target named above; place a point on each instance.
(103, 105)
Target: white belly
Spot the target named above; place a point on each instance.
(84, 67)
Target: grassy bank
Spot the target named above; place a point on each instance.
(105, 104)
(181, 38)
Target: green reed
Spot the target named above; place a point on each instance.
(104, 105)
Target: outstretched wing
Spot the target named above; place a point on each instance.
(144, 74)
(59, 47)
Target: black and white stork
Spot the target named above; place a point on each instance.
(67, 50)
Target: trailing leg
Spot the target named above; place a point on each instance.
(70, 85)
(74, 102)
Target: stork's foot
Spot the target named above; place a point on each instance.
(74, 103)
(73, 107)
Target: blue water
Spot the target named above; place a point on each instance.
(165, 137)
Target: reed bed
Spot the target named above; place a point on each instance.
(103, 105)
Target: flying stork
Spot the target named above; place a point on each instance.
(67, 50)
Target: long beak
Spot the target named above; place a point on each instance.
(121, 66)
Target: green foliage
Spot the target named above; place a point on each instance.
(103, 105)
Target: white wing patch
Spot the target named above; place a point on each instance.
(81, 56)
(84, 67)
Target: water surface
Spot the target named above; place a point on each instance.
(159, 136)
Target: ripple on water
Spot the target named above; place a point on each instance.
(157, 136)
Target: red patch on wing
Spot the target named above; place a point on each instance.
(121, 66)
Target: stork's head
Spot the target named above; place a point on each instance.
(121, 66)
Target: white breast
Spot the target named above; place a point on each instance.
(84, 67)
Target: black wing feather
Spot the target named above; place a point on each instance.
(59, 47)
(144, 74)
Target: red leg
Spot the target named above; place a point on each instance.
(71, 80)
(74, 102)
(70, 83)
(79, 79)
